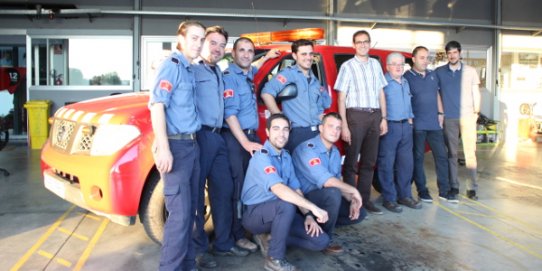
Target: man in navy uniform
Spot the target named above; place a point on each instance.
(317, 163)
(306, 109)
(215, 166)
(270, 195)
(241, 115)
(175, 150)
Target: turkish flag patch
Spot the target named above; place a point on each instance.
(282, 79)
(270, 169)
(228, 93)
(166, 85)
(314, 162)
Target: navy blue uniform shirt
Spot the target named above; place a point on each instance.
(424, 90)
(450, 90)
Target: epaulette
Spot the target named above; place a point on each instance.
(264, 151)
(226, 72)
(174, 60)
(310, 145)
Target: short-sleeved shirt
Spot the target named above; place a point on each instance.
(312, 99)
(398, 98)
(362, 82)
(265, 169)
(174, 86)
(209, 94)
(314, 164)
(424, 90)
(240, 97)
(450, 90)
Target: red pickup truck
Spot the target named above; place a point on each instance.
(98, 155)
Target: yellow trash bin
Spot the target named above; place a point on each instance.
(38, 122)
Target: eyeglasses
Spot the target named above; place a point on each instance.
(363, 42)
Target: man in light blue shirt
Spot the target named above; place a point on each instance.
(395, 158)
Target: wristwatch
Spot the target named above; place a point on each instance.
(309, 213)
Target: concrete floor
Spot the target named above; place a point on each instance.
(501, 231)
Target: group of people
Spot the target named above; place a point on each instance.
(288, 191)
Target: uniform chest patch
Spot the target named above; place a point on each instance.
(166, 85)
(270, 170)
(228, 93)
(282, 79)
(314, 162)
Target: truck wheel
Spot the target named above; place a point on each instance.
(153, 212)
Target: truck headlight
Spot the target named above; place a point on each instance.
(110, 138)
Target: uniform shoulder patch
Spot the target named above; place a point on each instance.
(314, 162)
(174, 60)
(228, 93)
(264, 151)
(270, 170)
(310, 145)
(282, 79)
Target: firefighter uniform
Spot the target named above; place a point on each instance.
(305, 109)
(314, 165)
(174, 87)
(215, 166)
(264, 212)
(240, 101)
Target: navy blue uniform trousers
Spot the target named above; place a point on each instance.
(181, 197)
(215, 168)
(239, 159)
(285, 225)
(395, 161)
(435, 138)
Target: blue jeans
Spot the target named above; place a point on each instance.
(435, 139)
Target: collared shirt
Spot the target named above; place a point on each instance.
(362, 82)
(424, 90)
(312, 99)
(398, 98)
(265, 169)
(174, 86)
(240, 97)
(209, 94)
(314, 165)
(450, 90)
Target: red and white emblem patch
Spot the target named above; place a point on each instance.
(166, 85)
(228, 93)
(282, 79)
(314, 162)
(270, 169)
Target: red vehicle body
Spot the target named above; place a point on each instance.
(98, 155)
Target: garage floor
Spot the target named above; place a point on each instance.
(501, 231)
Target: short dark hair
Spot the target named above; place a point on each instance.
(418, 48)
(274, 117)
(452, 45)
(242, 39)
(331, 115)
(216, 29)
(360, 32)
(301, 42)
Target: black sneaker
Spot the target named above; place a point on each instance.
(278, 265)
(206, 261)
(371, 208)
(410, 203)
(471, 194)
(452, 196)
(392, 206)
(234, 251)
(425, 197)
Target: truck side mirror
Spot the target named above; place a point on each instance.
(288, 92)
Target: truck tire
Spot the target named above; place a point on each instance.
(153, 212)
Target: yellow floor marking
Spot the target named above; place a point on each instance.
(63, 262)
(42, 239)
(535, 230)
(57, 259)
(518, 183)
(476, 214)
(90, 247)
(91, 216)
(494, 233)
(76, 235)
(45, 254)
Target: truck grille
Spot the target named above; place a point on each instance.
(69, 137)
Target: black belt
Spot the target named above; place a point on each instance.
(182, 137)
(246, 131)
(211, 129)
(364, 109)
(312, 128)
(398, 121)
